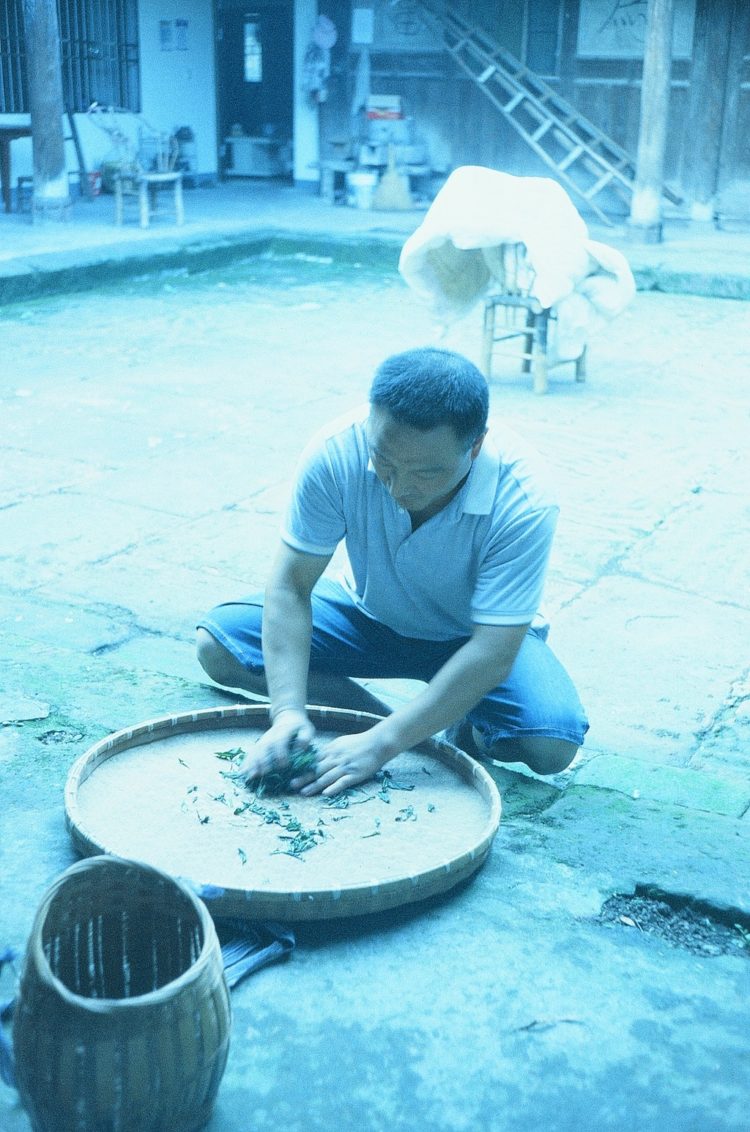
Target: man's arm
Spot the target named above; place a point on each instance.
(287, 633)
(473, 671)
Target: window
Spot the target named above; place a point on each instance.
(253, 50)
(12, 58)
(98, 50)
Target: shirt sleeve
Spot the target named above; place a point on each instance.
(511, 576)
(314, 521)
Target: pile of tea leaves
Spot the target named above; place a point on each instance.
(263, 797)
(302, 760)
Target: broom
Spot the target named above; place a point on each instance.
(392, 193)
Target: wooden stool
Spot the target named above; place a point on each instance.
(146, 187)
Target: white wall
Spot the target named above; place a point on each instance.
(178, 86)
(94, 143)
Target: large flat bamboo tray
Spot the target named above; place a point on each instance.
(158, 793)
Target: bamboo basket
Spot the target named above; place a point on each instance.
(123, 1015)
(133, 794)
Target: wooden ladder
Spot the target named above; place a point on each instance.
(83, 176)
(582, 156)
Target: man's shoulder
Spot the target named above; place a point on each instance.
(523, 478)
(342, 437)
(344, 425)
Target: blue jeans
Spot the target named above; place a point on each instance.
(538, 698)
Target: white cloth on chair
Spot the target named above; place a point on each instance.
(447, 260)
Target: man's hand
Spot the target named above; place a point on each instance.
(290, 730)
(345, 762)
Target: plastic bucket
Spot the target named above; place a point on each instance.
(360, 188)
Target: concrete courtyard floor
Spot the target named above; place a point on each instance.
(594, 973)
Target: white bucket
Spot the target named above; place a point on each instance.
(361, 187)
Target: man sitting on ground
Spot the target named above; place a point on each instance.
(448, 539)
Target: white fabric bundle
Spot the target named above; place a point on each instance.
(447, 261)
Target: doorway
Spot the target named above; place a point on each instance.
(255, 86)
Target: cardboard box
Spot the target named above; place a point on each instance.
(384, 106)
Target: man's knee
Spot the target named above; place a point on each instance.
(216, 661)
(540, 753)
(547, 756)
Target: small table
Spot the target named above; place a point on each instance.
(9, 134)
(254, 157)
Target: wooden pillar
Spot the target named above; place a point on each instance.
(51, 192)
(703, 125)
(645, 210)
(732, 142)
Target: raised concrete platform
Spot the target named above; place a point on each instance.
(223, 220)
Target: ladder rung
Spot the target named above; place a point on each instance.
(572, 156)
(622, 164)
(542, 129)
(517, 98)
(487, 73)
(599, 185)
(623, 169)
(608, 151)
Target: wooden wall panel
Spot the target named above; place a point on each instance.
(461, 126)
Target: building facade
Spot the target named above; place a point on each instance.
(293, 76)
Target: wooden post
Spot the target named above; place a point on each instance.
(51, 192)
(732, 140)
(645, 210)
(708, 79)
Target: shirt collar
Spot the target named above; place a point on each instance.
(479, 494)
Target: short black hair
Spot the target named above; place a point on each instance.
(427, 387)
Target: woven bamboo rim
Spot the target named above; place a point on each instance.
(314, 903)
(101, 867)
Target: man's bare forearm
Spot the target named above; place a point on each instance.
(454, 690)
(287, 633)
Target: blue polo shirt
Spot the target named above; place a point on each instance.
(481, 560)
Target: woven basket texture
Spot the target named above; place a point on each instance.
(123, 1015)
(345, 876)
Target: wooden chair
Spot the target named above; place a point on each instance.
(521, 316)
(152, 170)
(145, 187)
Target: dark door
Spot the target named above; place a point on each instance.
(255, 58)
